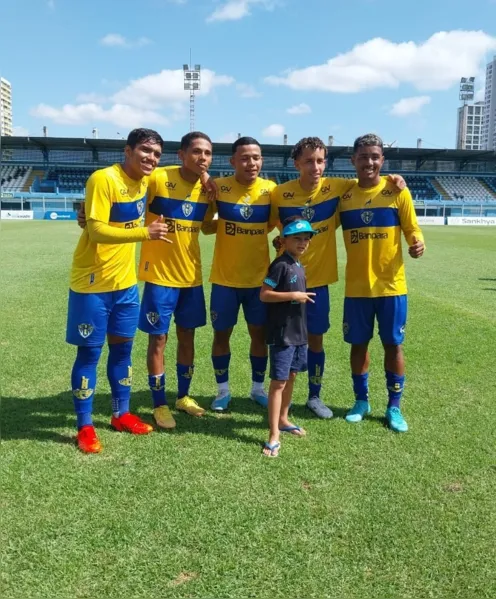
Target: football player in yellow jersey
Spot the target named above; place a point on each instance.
(241, 260)
(103, 296)
(172, 273)
(373, 215)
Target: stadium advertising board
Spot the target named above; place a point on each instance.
(430, 220)
(16, 215)
(474, 221)
(60, 215)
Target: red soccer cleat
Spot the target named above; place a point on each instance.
(87, 440)
(130, 424)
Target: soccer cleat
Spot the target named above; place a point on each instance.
(358, 411)
(130, 423)
(188, 404)
(317, 406)
(87, 440)
(260, 398)
(163, 417)
(221, 402)
(395, 420)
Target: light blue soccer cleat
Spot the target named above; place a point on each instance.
(221, 402)
(260, 398)
(395, 420)
(358, 411)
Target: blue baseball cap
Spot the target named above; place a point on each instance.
(296, 227)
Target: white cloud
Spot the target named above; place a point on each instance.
(20, 131)
(299, 109)
(273, 131)
(228, 138)
(408, 106)
(233, 10)
(247, 91)
(140, 102)
(81, 114)
(116, 40)
(435, 64)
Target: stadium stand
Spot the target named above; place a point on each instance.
(14, 177)
(421, 187)
(466, 188)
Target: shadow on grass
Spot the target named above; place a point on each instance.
(488, 289)
(481, 279)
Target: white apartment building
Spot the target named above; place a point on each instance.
(489, 126)
(5, 107)
(469, 128)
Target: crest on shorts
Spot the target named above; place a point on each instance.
(152, 317)
(213, 315)
(367, 216)
(85, 330)
(187, 208)
(140, 206)
(346, 328)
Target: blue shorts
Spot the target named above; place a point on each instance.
(159, 303)
(359, 315)
(225, 303)
(287, 359)
(91, 316)
(318, 313)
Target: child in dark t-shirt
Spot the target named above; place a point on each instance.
(284, 289)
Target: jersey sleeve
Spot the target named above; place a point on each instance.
(98, 200)
(274, 210)
(100, 232)
(408, 218)
(276, 274)
(341, 184)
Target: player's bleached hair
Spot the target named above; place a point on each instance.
(140, 136)
(314, 143)
(245, 141)
(369, 139)
(189, 138)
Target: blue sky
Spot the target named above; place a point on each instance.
(301, 67)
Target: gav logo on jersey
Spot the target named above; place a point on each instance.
(308, 212)
(187, 208)
(325, 189)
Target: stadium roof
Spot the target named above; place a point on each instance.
(105, 145)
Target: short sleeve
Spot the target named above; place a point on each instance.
(276, 274)
(98, 200)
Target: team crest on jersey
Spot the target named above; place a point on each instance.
(246, 212)
(308, 213)
(152, 317)
(140, 206)
(187, 208)
(367, 216)
(85, 330)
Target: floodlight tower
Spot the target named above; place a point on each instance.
(192, 81)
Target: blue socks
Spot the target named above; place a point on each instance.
(258, 368)
(221, 368)
(120, 376)
(156, 382)
(83, 383)
(184, 376)
(395, 384)
(361, 386)
(316, 361)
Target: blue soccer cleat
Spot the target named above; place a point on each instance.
(358, 411)
(395, 420)
(221, 402)
(260, 398)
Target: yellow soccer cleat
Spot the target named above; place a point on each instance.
(188, 404)
(163, 417)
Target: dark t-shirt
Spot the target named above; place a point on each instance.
(287, 321)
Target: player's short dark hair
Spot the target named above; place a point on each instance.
(292, 219)
(314, 143)
(140, 136)
(189, 138)
(245, 141)
(369, 139)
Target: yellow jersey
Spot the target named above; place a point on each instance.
(119, 201)
(185, 207)
(320, 207)
(372, 221)
(241, 253)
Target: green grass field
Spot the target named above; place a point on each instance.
(351, 511)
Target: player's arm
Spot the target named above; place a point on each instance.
(210, 186)
(409, 224)
(210, 222)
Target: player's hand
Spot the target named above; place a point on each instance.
(158, 230)
(397, 181)
(417, 248)
(210, 187)
(277, 243)
(81, 216)
(302, 297)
